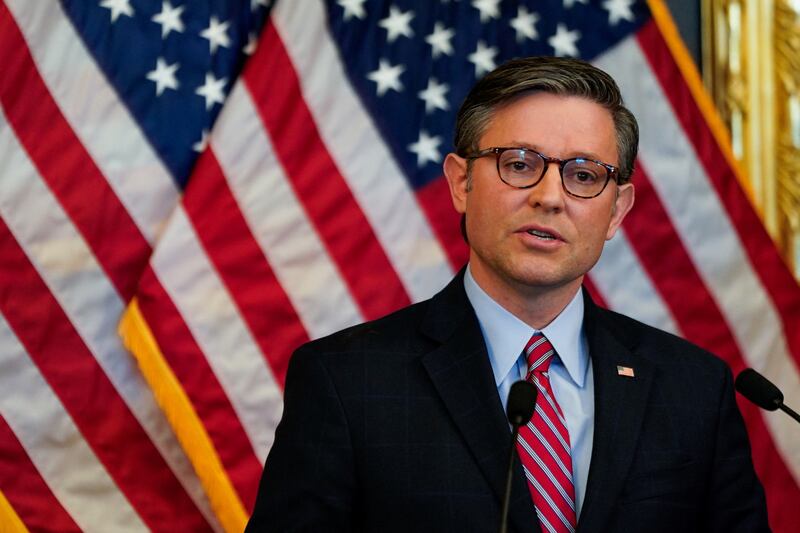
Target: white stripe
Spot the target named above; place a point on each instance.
(627, 288)
(65, 461)
(96, 114)
(70, 270)
(550, 400)
(543, 521)
(376, 181)
(278, 220)
(209, 312)
(709, 236)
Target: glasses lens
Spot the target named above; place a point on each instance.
(584, 178)
(520, 168)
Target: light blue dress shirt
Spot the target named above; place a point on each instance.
(570, 372)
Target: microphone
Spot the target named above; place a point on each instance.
(519, 408)
(762, 392)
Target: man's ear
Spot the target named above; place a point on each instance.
(622, 204)
(455, 170)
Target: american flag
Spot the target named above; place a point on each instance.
(230, 218)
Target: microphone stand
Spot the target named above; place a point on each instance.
(507, 493)
(519, 409)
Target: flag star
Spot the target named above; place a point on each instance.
(489, 9)
(426, 148)
(163, 76)
(618, 10)
(387, 77)
(440, 40)
(255, 4)
(252, 44)
(353, 8)
(169, 18)
(569, 3)
(563, 42)
(397, 23)
(483, 58)
(216, 33)
(118, 7)
(524, 24)
(201, 145)
(213, 90)
(434, 96)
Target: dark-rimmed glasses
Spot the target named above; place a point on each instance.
(523, 168)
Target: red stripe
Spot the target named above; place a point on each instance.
(26, 490)
(61, 160)
(434, 198)
(103, 418)
(660, 250)
(241, 264)
(597, 297)
(200, 383)
(330, 205)
(764, 256)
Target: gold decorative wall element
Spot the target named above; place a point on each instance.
(751, 66)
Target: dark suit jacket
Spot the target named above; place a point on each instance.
(396, 425)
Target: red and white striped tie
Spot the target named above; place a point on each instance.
(543, 446)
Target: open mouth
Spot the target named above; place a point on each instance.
(541, 234)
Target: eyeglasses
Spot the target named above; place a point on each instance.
(523, 168)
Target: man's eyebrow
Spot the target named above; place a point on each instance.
(587, 154)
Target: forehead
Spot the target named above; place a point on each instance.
(556, 125)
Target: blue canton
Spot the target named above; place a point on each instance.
(171, 62)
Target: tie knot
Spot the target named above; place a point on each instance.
(539, 353)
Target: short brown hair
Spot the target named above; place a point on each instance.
(560, 76)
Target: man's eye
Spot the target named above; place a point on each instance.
(584, 176)
(518, 166)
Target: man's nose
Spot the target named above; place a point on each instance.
(549, 192)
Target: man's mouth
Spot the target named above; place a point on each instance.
(541, 234)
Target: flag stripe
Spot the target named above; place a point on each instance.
(434, 198)
(286, 237)
(22, 483)
(63, 457)
(354, 143)
(619, 277)
(102, 123)
(247, 275)
(198, 293)
(316, 179)
(59, 156)
(675, 276)
(201, 385)
(159, 498)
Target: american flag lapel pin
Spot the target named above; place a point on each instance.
(625, 371)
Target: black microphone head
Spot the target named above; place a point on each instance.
(758, 389)
(521, 402)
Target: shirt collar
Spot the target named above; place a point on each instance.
(506, 335)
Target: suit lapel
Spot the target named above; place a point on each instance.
(462, 375)
(619, 409)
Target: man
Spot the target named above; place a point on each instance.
(398, 424)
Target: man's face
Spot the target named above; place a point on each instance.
(504, 252)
